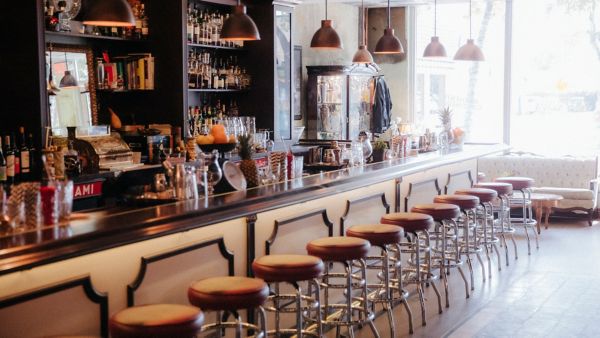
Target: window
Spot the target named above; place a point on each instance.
(555, 83)
(472, 90)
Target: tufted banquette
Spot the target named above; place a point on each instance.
(573, 178)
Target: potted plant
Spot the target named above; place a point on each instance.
(379, 148)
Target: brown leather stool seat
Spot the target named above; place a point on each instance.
(500, 187)
(409, 221)
(377, 234)
(518, 183)
(288, 268)
(462, 201)
(157, 320)
(338, 249)
(439, 211)
(228, 293)
(484, 195)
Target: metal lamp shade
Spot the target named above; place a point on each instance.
(68, 80)
(239, 26)
(326, 37)
(362, 55)
(469, 52)
(435, 49)
(113, 13)
(389, 43)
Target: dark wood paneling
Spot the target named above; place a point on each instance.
(145, 261)
(84, 282)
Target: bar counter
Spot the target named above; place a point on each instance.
(109, 253)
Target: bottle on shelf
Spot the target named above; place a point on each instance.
(2, 166)
(34, 158)
(10, 161)
(25, 157)
(144, 19)
(17, 154)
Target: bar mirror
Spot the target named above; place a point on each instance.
(71, 88)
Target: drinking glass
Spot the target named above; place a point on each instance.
(64, 198)
(298, 166)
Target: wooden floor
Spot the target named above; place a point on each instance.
(555, 292)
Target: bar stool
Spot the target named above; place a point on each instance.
(416, 227)
(356, 311)
(446, 251)
(469, 245)
(228, 295)
(523, 185)
(389, 290)
(292, 269)
(503, 227)
(156, 320)
(489, 239)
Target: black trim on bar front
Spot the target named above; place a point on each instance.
(85, 282)
(145, 261)
(349, 203)
(460, 173)
(411, 186)
(250, 243)
(278, 223)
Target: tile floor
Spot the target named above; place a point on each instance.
(552, 293)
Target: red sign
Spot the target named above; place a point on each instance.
(85, 190)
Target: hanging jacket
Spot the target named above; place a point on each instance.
(382, 107)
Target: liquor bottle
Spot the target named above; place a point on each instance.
(34, 158)
(215, 75)
(2, 166)
(71, 160)
(144, 18)
(17, 154)
(197, 22)
(25, 157)
(137, 32)
(10, 161)
(190, 26)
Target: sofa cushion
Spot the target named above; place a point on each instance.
(564, 172)
(566, 204)
(567, 193)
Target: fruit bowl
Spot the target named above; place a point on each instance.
(220, 147)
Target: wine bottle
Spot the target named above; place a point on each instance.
(10, 161)
(25, 157)
(17, 154)
(2, 166)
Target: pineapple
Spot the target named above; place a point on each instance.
(445, 116)
(247, 165)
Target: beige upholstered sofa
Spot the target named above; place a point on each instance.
(575, 179)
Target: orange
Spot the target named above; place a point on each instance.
(221, 138)
(218, 129)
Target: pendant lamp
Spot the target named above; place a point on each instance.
(469, 51)
(389, 43)
(68, 80)
(239, 26)
(326, 37)
(434, 48)
(362, 55)
(113, 13)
